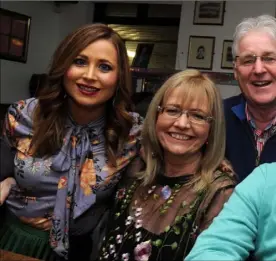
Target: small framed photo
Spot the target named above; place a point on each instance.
(200, 52)
(142, 55)
(209, 12)
(226, 57)
(14, 34)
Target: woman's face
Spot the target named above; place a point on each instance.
(92, 78)
(180, 136)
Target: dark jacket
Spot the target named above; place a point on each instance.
(241, 148)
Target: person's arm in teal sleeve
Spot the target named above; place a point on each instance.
(231, 236)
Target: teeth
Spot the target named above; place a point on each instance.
(180, 137)
(88, 89)
(261, 83)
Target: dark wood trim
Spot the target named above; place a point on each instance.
(141, 18)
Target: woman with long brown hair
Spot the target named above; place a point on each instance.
(70, 147)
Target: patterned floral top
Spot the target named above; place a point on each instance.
(161, 222)
(67, 184)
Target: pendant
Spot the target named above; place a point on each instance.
(166, 192)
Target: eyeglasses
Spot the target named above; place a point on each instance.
(249, 60)
(193, 116)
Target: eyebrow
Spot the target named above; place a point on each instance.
(101, 60)
(179, 107)
(265, 53)
(269, 53)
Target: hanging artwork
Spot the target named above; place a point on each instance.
(226, 57)
(200, 53)
(209, 12)
(14, 34)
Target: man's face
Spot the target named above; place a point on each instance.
(257, 79)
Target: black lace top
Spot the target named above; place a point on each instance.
(161, 222)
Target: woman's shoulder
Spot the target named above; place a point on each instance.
(23, 107)
(19, 117)
(225, 175)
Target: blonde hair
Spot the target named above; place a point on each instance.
(194, 85)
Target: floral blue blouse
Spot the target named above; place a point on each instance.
(67, 184)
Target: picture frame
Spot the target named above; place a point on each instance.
(14, 33)
(142, 55)
(226, 56)
(200, 52)
(209, 12)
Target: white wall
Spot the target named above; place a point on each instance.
(48, 27)
(73, 16)
(235, 11)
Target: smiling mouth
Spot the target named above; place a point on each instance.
(87, 88)
(261, 83)
(179, 136)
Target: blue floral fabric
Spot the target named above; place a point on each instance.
(66, 184)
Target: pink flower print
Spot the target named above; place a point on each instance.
(53, 242)
(138, 223)
(111, 249)
(151, 189)
(119, 239)
(120, 193)
(47, 164)
(129, 220)
(194, 233)
(125, 256)
(62, 183)
(142, 251)
(35, 167)
(138, 212)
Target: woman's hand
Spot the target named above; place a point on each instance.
(5, 187)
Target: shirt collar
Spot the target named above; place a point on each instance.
(252, 122)
(239, 110)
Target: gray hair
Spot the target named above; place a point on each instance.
(263, 23)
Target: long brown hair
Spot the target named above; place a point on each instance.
(51, 111)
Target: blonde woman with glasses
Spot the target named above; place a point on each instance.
(161, 209)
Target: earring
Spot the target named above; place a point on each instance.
(153, 155)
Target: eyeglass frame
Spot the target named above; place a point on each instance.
(255, 59)
(206, 119)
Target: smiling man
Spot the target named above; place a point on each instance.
(251, 116)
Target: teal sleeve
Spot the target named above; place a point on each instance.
(231, 235)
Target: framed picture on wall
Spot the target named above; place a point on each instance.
(209, 12)
(200, 52)
(14, 34)
(226, 57)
